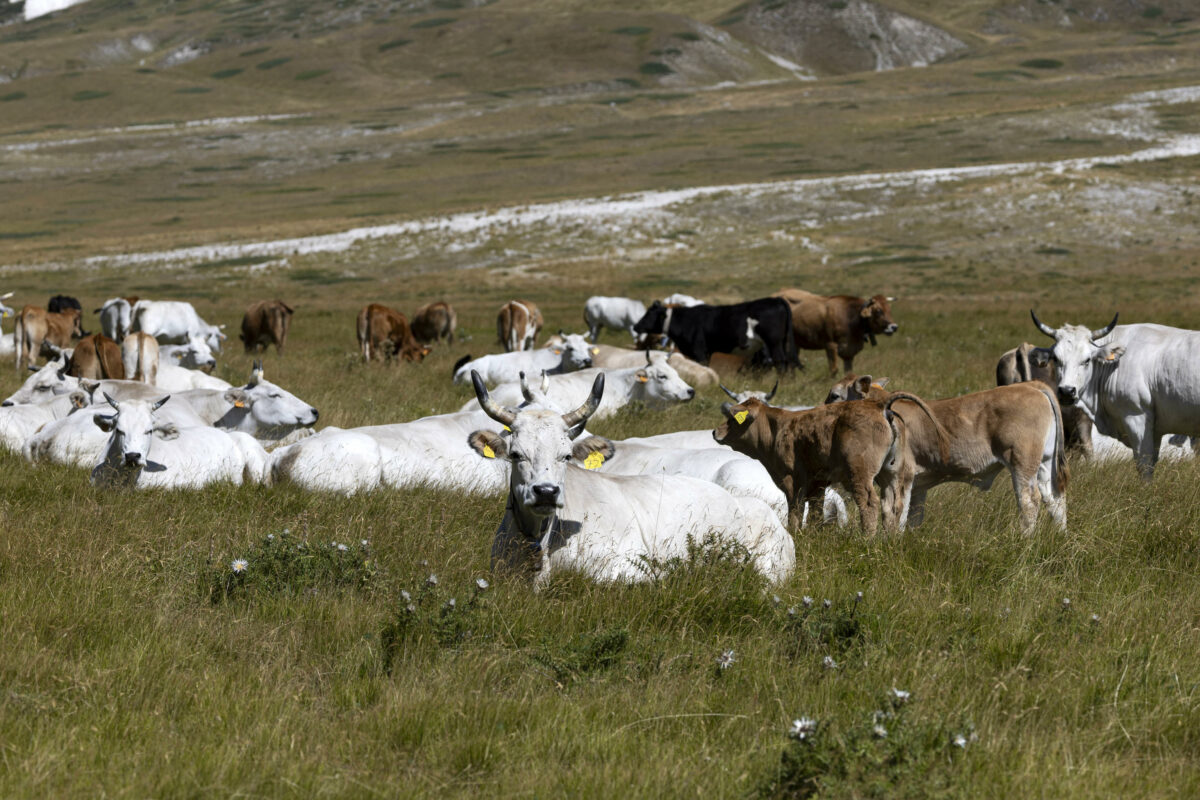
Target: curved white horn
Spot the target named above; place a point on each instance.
(490, 406)
(1106, 330)
(1041, 326)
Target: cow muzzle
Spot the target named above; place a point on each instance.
(133, 459)
(546, 495)
(890, 329)
(1068, 395)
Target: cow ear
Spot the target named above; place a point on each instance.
(1040, 356)
(79, 399)
(863, 385)
(642, 376)
(487, 444)
(867, 308)
(593, 451)
(105, 422)
(167, 431)
(882, 382)
(239, 398)
(1110, 355)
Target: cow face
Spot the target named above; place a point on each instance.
(1079, 358)
(576, 352)
(77, 331)
(655, 320)
(854, 387)
(273, 410)
(45, 382)
(132, 430)
(739, 420)
(196, 354)
(658, 385)
(213, 337)
(877, 315)
(741, 397)
(539, 448)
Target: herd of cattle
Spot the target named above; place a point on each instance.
(135, 405)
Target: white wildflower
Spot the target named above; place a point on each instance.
(1095, 618)
(802, 728)
(900, 695)
(960, 741)
(858, 597)
(481, 584)
(239, 565)
(807, 601)
(431, 580)
(827, 602)
(1066, 603)
(342, 548)
(829, 663)
(880, 732)
(726, 659)
(405, 596)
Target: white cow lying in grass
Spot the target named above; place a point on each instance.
(657, 385)
(569, 353)
(609, 357)
(19, 422)
(144, 451)
(194, 354)
(561, 517)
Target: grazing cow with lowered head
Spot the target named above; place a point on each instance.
(1138, 382)
(433, 321)
(618, 313)
(1017, 427)
(266, 323)
(173, 322)
(742, 328)
(378, 324)
(518, 325)
(139, 354)
(608, 527)
(37, 327)
(96, 357)
(848, 444)
(839, 325)
(1029, 363)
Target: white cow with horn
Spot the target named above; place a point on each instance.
(562, 517)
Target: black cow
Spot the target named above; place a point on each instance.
(62, 302)
(700, 331)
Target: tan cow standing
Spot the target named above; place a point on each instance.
(839, 324)
(266, 323)
(36, 326)
(433, 321)
(1029, 363)
(518, 325)
(139, 354)
(378, 324)
(847, 444)
(96, 358)
(1018, 427)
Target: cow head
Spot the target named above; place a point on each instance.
(76, 316)
(265, 410)
(575, 350)
(741, 397)
(196, 354)
(132, 430)
(46, 381)
(876, 315)
(737, 429)
(214, 336)
(658, 384)
(539, 449)
(5, 311)
(855, 387)
(1079, 357)
(413, 351)
(656, 320)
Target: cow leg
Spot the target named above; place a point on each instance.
(1026, 489)
(831, 356)
(1145, 443)
(867, 501)
(916, 507)
(1055, 502)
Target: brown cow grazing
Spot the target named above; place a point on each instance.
(36, 327)
(377, 325)
(518, 325)
(266, 323)
(96, 358)
(1029, 363)
(839, 325)
(139, 354)
(433, 321)
(848, 444)
(1017, 427)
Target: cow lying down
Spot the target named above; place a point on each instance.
(562, 517)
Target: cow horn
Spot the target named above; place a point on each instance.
(771, 394)
(525, 391)
(649, 363)
(159, 404)
(1106, 330)
(110, 400)
(580, 415)
(731, 394)
(6, 295)
(490, 407)
(1041, 326)
(545, 382)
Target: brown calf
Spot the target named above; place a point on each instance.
(36, 326)
(378, 324)
(847, 444)
(96, 358)
(518, 325)
(266, 323)
(1017, 427)
(139, 354)
(433, 321)
(1029, 363)
(839, 325)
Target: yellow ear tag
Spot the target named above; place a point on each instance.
(238, 404)
(876, 386)
(741, 416)
(595, 351)
(488, 452)
(1111, 357)
(557, 352)
(643, 378)
(594, 460)
(508, 429)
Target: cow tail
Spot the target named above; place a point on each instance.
(793, 355)
(19, 336)
(942, 438)
(1060, 473)
(452, 321)
(364, 340)
(138, 374)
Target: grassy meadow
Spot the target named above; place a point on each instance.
(135, 663)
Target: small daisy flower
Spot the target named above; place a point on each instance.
(802, 728)
(410, 608)
(481, 584)
(270, 537)
(858, 597)
(879, 731)
(1095, 619)
(960, 741)
(900, 695)
(431, 580)
(365, 544)
(726, 659)
(827, 602)
(342, 548)
(829, 663)
(1066, 603)
(451, 604)
(792, 611)
(776, 600)
(239, 566)
(405, 596)
(807, 601)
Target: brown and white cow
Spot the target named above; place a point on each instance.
(1029, 363)
(36, 326)
(433, 321)
(139, 354)
(839, 325)
(266, 323)
(378, 324)
(846, 444)
(518, 325)
(1018, 427)
(96, 358)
